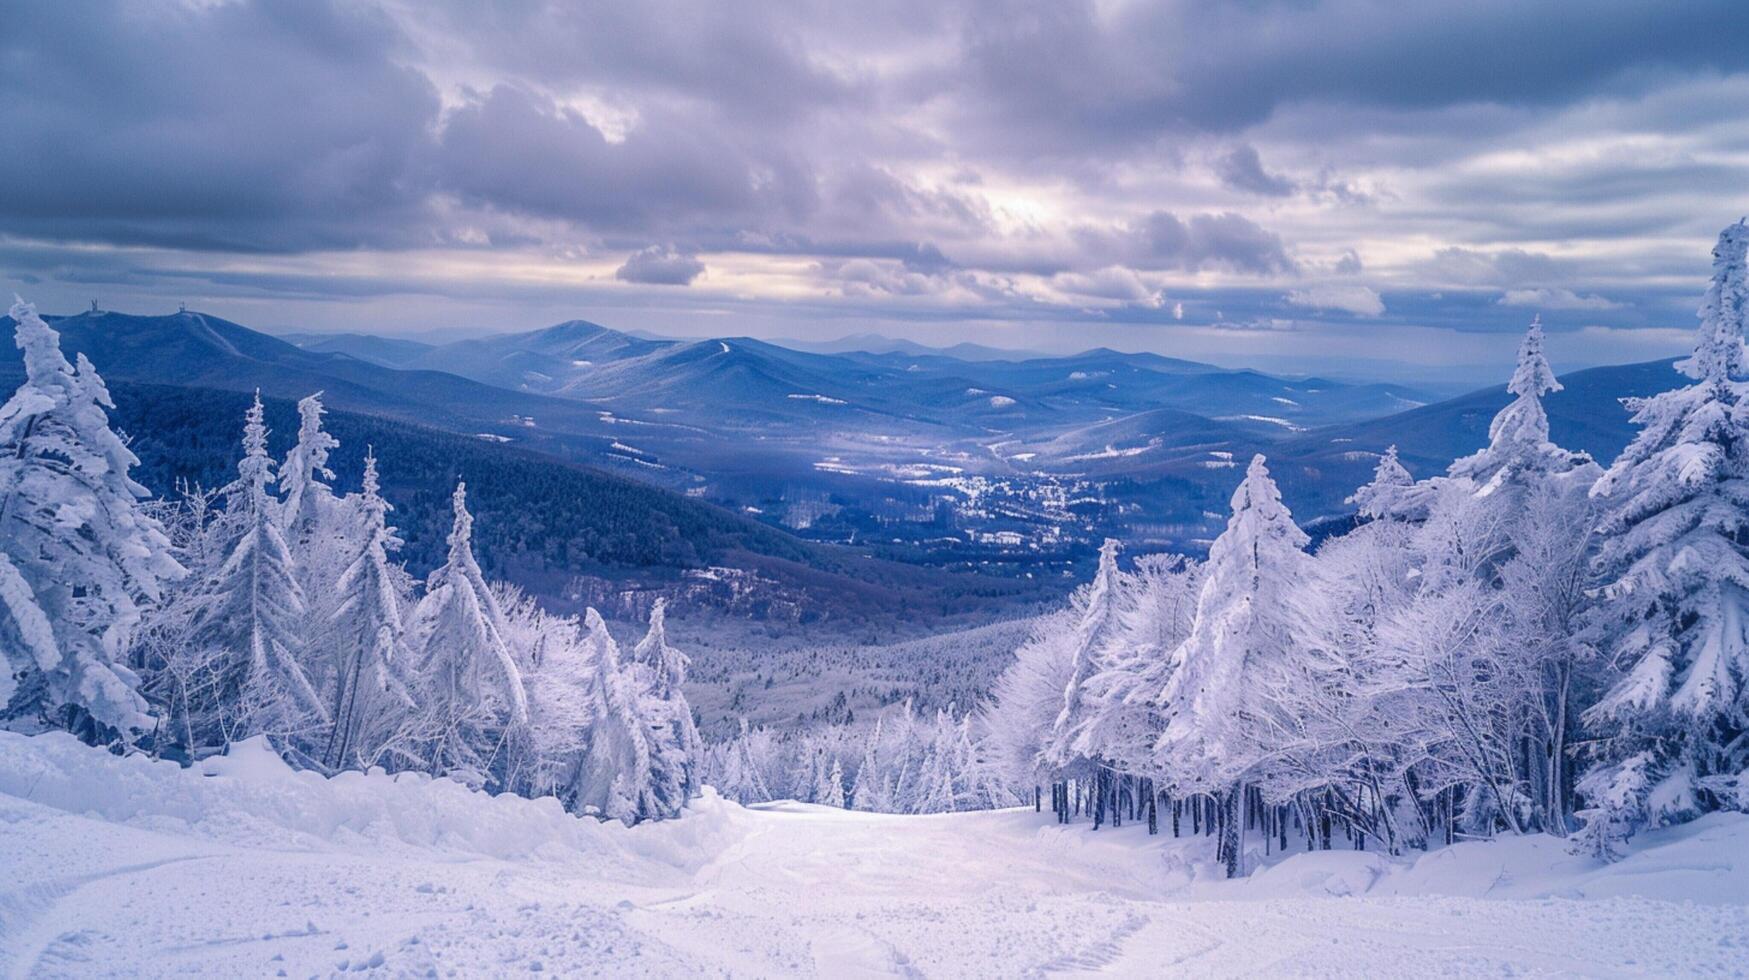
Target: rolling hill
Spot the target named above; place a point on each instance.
(568, 533)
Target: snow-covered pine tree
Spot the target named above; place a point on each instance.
(371, 703)
(563, 705)
(869, 792)
(470, 691)
(736, 773)
(324, 536)
(1519, 455)
(252, 616)
(308, 503)
(1392, 492)
(664, 670)
(619, 778)
(1675, 568)
(79, 559)
(830, 791)
(1093, 634)
(1156, 615)
(1220, 699)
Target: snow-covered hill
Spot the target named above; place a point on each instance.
(124, 866)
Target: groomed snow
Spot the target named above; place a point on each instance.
(123, 866)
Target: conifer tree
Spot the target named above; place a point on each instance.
(1099, 622)
(324, 535)
(1219, 701)
(1392, 492)
(371, 699)
(1675, 568)
(470, 688)
(79, 560)
(622, 776)
(1519, 451)
(870, 791)
(253, 615)
(664, 668)
(308, 504)
(830, 790)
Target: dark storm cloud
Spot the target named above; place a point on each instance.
(259, 126)
(745, 60)
(661, 265)
(1138, 70)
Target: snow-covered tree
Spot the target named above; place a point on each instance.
(1099, 624)
(371, 703)
(1519, 435)
(251, 620)
(324, 535)
(1123, 717)
(829, 791)
(470, 688)
(1028, 696)
(1675, 569)
(563, 705)
(79, 558)
(1220, 698)
(736, 767)
(1392, 492)
(622, 776)
(308, 501)
(663, 671)
(870, 792)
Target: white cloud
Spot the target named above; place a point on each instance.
(1556, 299)
(1359, 300)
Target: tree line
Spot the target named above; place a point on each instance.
(274, 606)
(1528, 642)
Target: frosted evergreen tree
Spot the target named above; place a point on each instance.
(371, 702)
(470, 690)
(1675, 568)
(870, 791)
(253, 615)
(1392, 492)
(1158, 610)
(830, 790)
(323, 535)
(622, 776)
(1518, 448)
(562, 705)
(664, 668)
(737, 774)
(1099, 622)
(1240, 652)
(308, 502)
(79, 559)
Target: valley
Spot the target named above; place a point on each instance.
(996, 464)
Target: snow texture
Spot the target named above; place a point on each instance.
(243, 867)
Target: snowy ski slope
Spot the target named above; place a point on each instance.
(125, 867)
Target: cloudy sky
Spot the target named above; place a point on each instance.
(1326, 183)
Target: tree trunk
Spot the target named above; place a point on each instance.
(1233, 831)
(1558, 799)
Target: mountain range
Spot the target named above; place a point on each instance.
(1012, 465)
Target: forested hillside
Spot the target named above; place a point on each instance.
(567, 532)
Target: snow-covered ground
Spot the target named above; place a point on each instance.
(115, 867)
